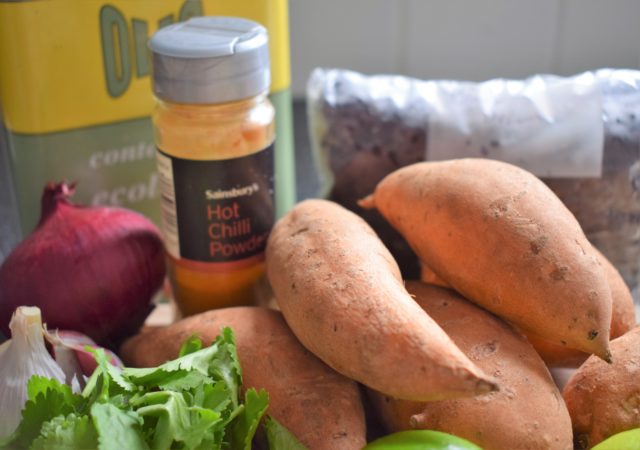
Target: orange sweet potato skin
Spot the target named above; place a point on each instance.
(320, 407)
(623, 316)
(623, 319)
(604, 399)
(341, 293)
(499, 236)
(428, 276)
(527, 412)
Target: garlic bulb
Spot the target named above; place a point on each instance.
(23, 356)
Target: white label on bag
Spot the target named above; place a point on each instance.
(550, 126)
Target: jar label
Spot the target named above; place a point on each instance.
(217, 210)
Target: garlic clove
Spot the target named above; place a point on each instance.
(21, 357)
(67, 359)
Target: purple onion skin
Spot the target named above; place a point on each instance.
(90, 269)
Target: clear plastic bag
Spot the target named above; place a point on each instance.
(580, 134)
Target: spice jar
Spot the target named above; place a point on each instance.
(214, 132)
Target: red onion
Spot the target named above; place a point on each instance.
(90, 269)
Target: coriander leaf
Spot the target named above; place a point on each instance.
(192, 402)
(191, 345)
(97, 387)
(116, 375)
(154, 376)
(65, 433)
(182, 380)
(111, 373)
(245, 425)
(39, 385)
(226, 366)
(105, 383)
(279, 438)
(218, 361)
(91, 390)
(120, 401)
(177, 421)
(47, 398)
(117, 429)
(213, 396)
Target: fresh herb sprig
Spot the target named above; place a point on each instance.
(192, 402)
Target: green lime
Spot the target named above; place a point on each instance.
(421, 440)
(627, 440)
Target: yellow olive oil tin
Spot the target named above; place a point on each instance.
(75, 97)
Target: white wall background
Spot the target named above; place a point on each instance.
(462, 39)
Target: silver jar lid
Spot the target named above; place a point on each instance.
(210, 60)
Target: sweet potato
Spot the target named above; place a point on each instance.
(623, 311)
(319, 406)
(501, 237)
(604, 399)
(623, 319)
(430, 277)
(527, 412)
(341, 293)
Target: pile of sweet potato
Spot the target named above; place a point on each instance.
(520, 289)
